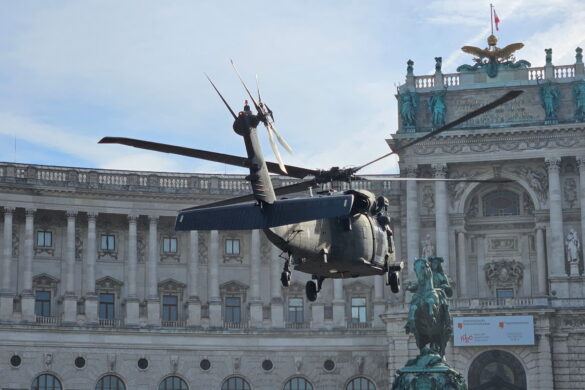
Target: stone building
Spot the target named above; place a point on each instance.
(99, 292)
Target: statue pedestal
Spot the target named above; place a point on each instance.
(414, 378)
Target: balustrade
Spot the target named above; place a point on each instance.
(451, 80)
(564, 71)
(422, 82)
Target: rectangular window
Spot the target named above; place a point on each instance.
(502, 293)
(43, 303)
(358, 309)
(233, 309)
(106, 310)
(44, 239)
(232, 247)
(108, 242)
(169, 245)
(295, 310)
(170, 308)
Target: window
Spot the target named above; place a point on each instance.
(170, 308)
(169, 245)
(358, 309)
(232, 247)
(233, 310)
(44, 239)
(108, 242)
(106, 309)
(360, 383)
(110, 382)
(501, 203)
(43, 303)
(235, 383)
(46, 382)
(173, 383)
(298, 383)
(295, 310)
(503, 293)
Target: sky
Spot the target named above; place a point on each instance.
(72, 72)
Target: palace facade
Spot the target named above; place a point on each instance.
(99, 292)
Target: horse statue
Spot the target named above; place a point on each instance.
(429, 318)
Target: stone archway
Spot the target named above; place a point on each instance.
(496, 370)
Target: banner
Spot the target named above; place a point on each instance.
(493, 330)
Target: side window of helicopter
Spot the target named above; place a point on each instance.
(232, 246)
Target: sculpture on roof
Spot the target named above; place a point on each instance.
(492, 57)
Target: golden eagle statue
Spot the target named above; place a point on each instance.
(493, 54)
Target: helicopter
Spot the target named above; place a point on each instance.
(329, 236)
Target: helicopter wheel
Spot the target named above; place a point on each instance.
(394, 282)
(311, 290)
(285, 278)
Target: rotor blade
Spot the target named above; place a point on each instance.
(245, 87)
(224, 101)
(237, 161)
(290, 189)
(275, 150)
(507, 97)
(279, 137)
(460, 180)
(258, 89)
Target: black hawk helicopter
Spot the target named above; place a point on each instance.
(328, 236)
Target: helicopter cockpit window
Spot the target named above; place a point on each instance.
(232, 246)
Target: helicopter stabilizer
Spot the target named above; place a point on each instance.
(247, 216)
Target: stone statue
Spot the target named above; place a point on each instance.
(579, 95)
(570, 191)
(430, 322)
(572, 245)
(438, 108)
(409, 67)
(550, 98)
(438, 64)
(427, 246)
(578, 55)
(407, 104)
(428, 198)
(548, 56)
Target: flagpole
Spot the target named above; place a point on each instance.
(492, 17)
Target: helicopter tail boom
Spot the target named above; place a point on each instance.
(263, 216)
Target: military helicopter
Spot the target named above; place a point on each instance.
(327, 236)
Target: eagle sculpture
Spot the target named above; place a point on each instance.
(494, 55)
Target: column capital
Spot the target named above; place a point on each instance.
(410, 170)
(71, 213)
(440, 170)
(9, 210)
(153, 219)
(132, 218)
(553, 164)
(581, 162)
(30, 212)
(92, 215)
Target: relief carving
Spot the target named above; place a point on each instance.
(15, 244)
(428, 249)
(536, 178)
(503, 244)
(456, 189)
(572, 246)
(140, 247)
(570, 191)
(202, 248)
(504, 273)
(428, 199)
(473, 209)
(527, 204)
(78, 245)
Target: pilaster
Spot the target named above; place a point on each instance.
(153, 300)
(276, 306)
(412, 215)
(28, 298)
(255, 301)
(193, 303)
(91, 302)
(556, 235)
(6, 291)
(317, 315)
(441, 213)
(338, 304)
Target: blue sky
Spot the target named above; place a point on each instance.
(72, 72)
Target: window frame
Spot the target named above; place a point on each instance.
(244, 385)
(299, 310)
(110, 376)
(370, 384)
(234, 309)
(107, 236)
(48, 303)
(492, 195)
(108, 305)
(170, 240)
(45, 233)
(229, 247)
(361, 309)
(183, 383)
(307, 385)
(37, 386)
(167, 308)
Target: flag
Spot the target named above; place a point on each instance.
(496, 20)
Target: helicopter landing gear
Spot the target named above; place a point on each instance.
(313, 287)
(392, 277)
(285, 276)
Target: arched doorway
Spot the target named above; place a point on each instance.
(496, 370)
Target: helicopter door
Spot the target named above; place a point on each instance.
(380, 245)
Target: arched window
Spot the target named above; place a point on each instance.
(496, 370)
(46, 382)
(110, 382)
(298, 383)
(360, 383)
(500, 203)
(235, 383)
(173, 383)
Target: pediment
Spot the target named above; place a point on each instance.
(45, 280)
(108, 282)
(233, 286)
(171, 285)
(358, 287)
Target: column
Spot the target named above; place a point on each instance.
(6, 290)
(581, 164)
(153, 300)
(213, 280)
(132, 303)
(70, 299)
(462, 260)
(193, 303)
(379, 302)
(441, 215)
(483, 288)
(556, 237)
(255, 300)
(412, 217)
(91, 302)
(544, 363)
(28, 298)
(541, 260)
(276, 303)
(338, 304)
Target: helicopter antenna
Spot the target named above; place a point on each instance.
(224, 101)
(507, 97)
